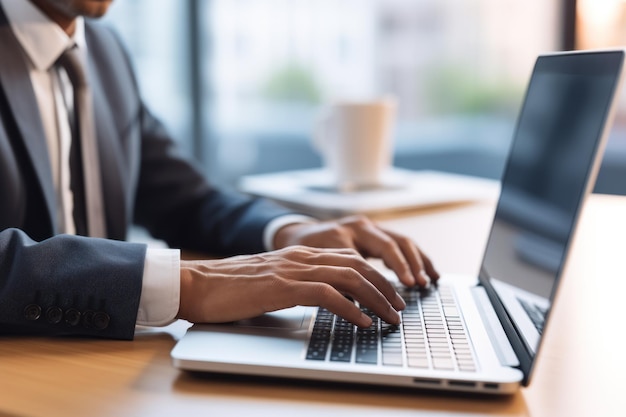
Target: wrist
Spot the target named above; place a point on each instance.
(286, 235)
(269, 234)
(186, 278)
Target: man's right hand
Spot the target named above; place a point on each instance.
(240, 287)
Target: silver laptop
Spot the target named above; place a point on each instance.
(479, 334)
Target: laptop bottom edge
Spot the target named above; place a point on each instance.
(454, 383)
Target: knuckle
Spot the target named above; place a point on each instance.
(404, 240)
(354, 257)
(358, 220)
(277, 283)
(337, 229)
(351, 278)
(390, 247)
(322, 291)
(388, 240)
(354, 262)
(296, 252)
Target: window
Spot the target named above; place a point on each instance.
(154, 32)
(602, 24)
(458, 69)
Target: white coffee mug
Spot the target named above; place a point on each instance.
(355, 140)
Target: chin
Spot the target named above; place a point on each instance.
(75, 8)
(93, 8)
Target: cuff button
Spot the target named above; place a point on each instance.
(101, 320)
(54, 315)
(32, 312)
(72, 317)
(88, 319)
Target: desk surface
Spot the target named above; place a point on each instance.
(579, 373)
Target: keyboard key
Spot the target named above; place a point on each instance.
(392, 360)
(418, 363)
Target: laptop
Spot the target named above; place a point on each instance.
(477, 334)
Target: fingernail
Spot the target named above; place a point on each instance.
(410, 279)
(397, 319)
(399, 302)
(366, 321)
(425, 279)
(396, 316)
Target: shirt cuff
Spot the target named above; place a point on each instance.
(281, 221)
(160, 291)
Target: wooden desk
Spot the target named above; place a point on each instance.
(580, 372)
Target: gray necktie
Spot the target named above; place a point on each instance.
(86, 183)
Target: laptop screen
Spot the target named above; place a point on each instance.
(551, 159)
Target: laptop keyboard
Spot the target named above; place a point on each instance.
(432, 335)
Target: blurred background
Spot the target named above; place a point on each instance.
(239, 83)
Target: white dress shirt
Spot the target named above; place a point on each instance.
(43, 42)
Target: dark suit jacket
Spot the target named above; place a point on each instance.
(59, 284)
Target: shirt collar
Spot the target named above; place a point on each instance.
(43, 40)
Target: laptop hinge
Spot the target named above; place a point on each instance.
(501, 343)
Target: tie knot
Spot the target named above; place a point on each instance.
(70, 60)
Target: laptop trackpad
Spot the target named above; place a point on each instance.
(291, 318)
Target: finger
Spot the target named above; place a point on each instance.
(428, 265)
(382, 245)
(421, 266)
(324, 295)
(349, 281)
(365, 270)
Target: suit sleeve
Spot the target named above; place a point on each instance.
(69, 285)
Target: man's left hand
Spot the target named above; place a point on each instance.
(398, 252)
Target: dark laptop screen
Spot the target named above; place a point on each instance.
(558, 133)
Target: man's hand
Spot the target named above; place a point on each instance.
(246, 286)
(398, 252)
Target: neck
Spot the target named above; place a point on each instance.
(64, 20)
